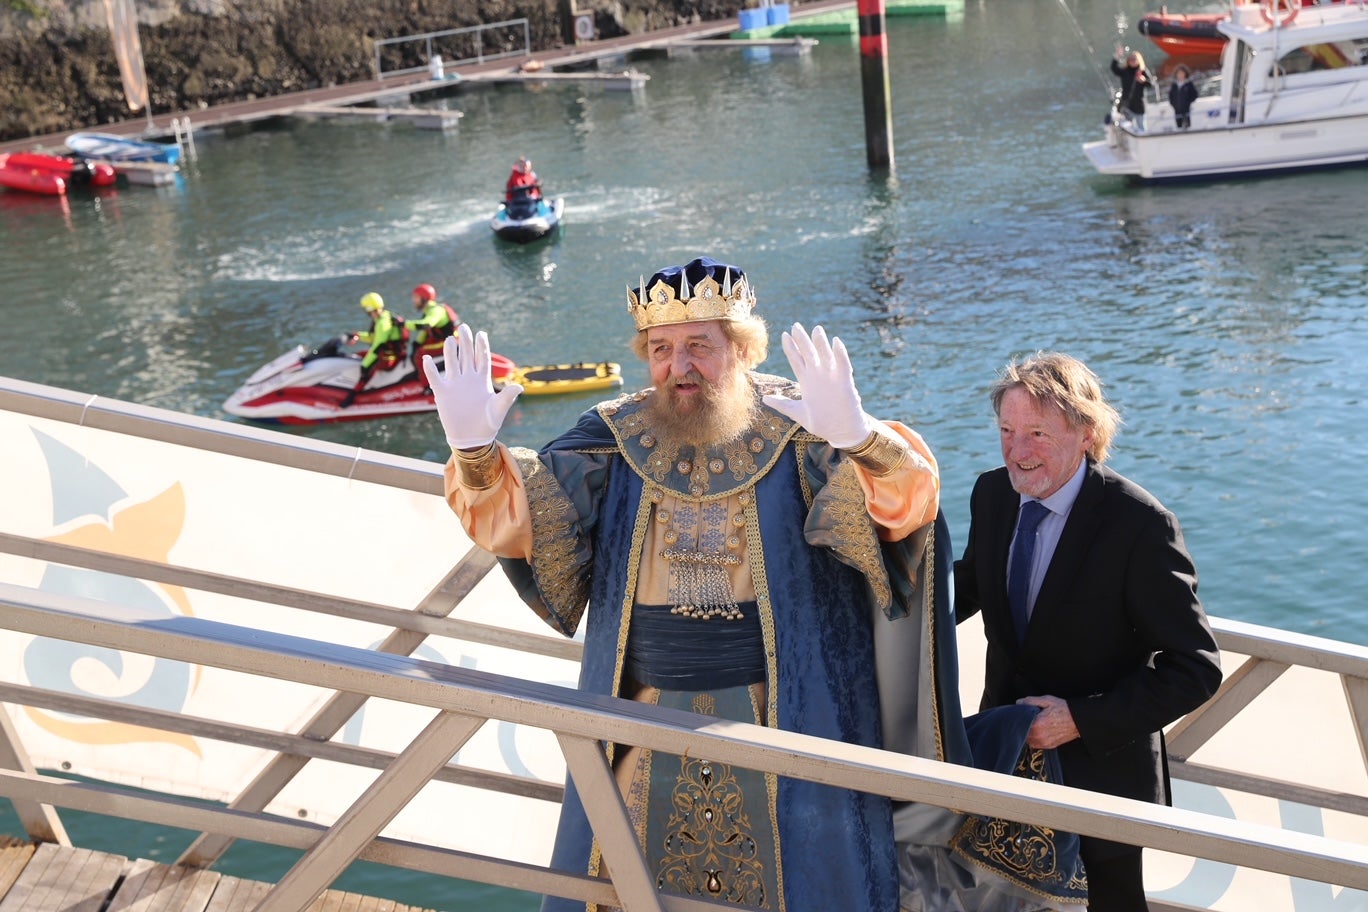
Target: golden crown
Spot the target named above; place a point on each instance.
(663, 303)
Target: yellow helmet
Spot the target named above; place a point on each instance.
(372, 302)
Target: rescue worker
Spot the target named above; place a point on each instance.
(435, 321)
(386, 337)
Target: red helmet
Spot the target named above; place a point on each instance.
(425, 292)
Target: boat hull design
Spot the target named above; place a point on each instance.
(52, 175)
(110, 147)
(523, 227)
(309, 386)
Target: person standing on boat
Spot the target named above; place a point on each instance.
(740, 545)
(386, 337)
(1182, 93)
(522, 181)
(1135, 79)
(1089, 602)
(434, 323)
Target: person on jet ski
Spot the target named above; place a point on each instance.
(388, 337)
(522, 182)
(434, 323)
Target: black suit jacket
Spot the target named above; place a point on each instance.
(1117, 629)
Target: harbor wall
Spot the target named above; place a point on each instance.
(58, 71)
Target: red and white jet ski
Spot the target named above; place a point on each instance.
(308, 386)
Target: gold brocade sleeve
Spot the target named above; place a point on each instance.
(496, 518)
(907, 498)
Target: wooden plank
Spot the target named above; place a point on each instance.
(233, 894)
(152, 887)
(65, 879)
(14, 855)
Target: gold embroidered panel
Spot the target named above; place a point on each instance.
(718, 470)
(554, 542)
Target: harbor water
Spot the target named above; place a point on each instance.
(1227, 319)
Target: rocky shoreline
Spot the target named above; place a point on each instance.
(58, 71)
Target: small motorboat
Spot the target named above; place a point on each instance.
(1184, 34)
(308, 386)
(1293, 94)
(567, 378)
(525, 218)
(53, 175)
(112, 148)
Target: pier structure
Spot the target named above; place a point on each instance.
(601, 61)
(426, 723)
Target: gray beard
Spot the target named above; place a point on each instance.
(723, 415)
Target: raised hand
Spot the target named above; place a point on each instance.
(830, 407)
(470, 410)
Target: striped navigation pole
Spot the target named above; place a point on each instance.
(874, 83)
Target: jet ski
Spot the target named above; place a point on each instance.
(525, 218)
(308, 386)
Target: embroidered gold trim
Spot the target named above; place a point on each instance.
(856, 538)
(565, 591)
(764, 605)
(1024, 853)
(880, 455)
(802, 447)
(709, 845)
(928, 582)
(681, 470)
(481, 469)
(639, 528)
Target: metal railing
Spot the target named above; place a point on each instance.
(459, 46)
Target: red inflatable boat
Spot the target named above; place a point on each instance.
(37, 172)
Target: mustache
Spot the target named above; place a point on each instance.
(693, 377)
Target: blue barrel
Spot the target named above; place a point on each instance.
(778, 14)
(751, 19)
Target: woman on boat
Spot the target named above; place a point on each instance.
(1135, 79)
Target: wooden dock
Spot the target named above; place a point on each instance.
(622, 80)
(52, 878)
(423, 118)
(781, 46)
(232, 117)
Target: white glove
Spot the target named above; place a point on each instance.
(471, 411)
(830, 407)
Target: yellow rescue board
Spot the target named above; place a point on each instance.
(546, 379)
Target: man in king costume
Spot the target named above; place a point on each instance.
(746, 547)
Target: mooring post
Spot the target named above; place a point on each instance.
(874, 82)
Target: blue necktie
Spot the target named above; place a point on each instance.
(1019, 574)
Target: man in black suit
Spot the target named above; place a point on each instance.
(1102, 629)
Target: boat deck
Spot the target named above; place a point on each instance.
(53, 878)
